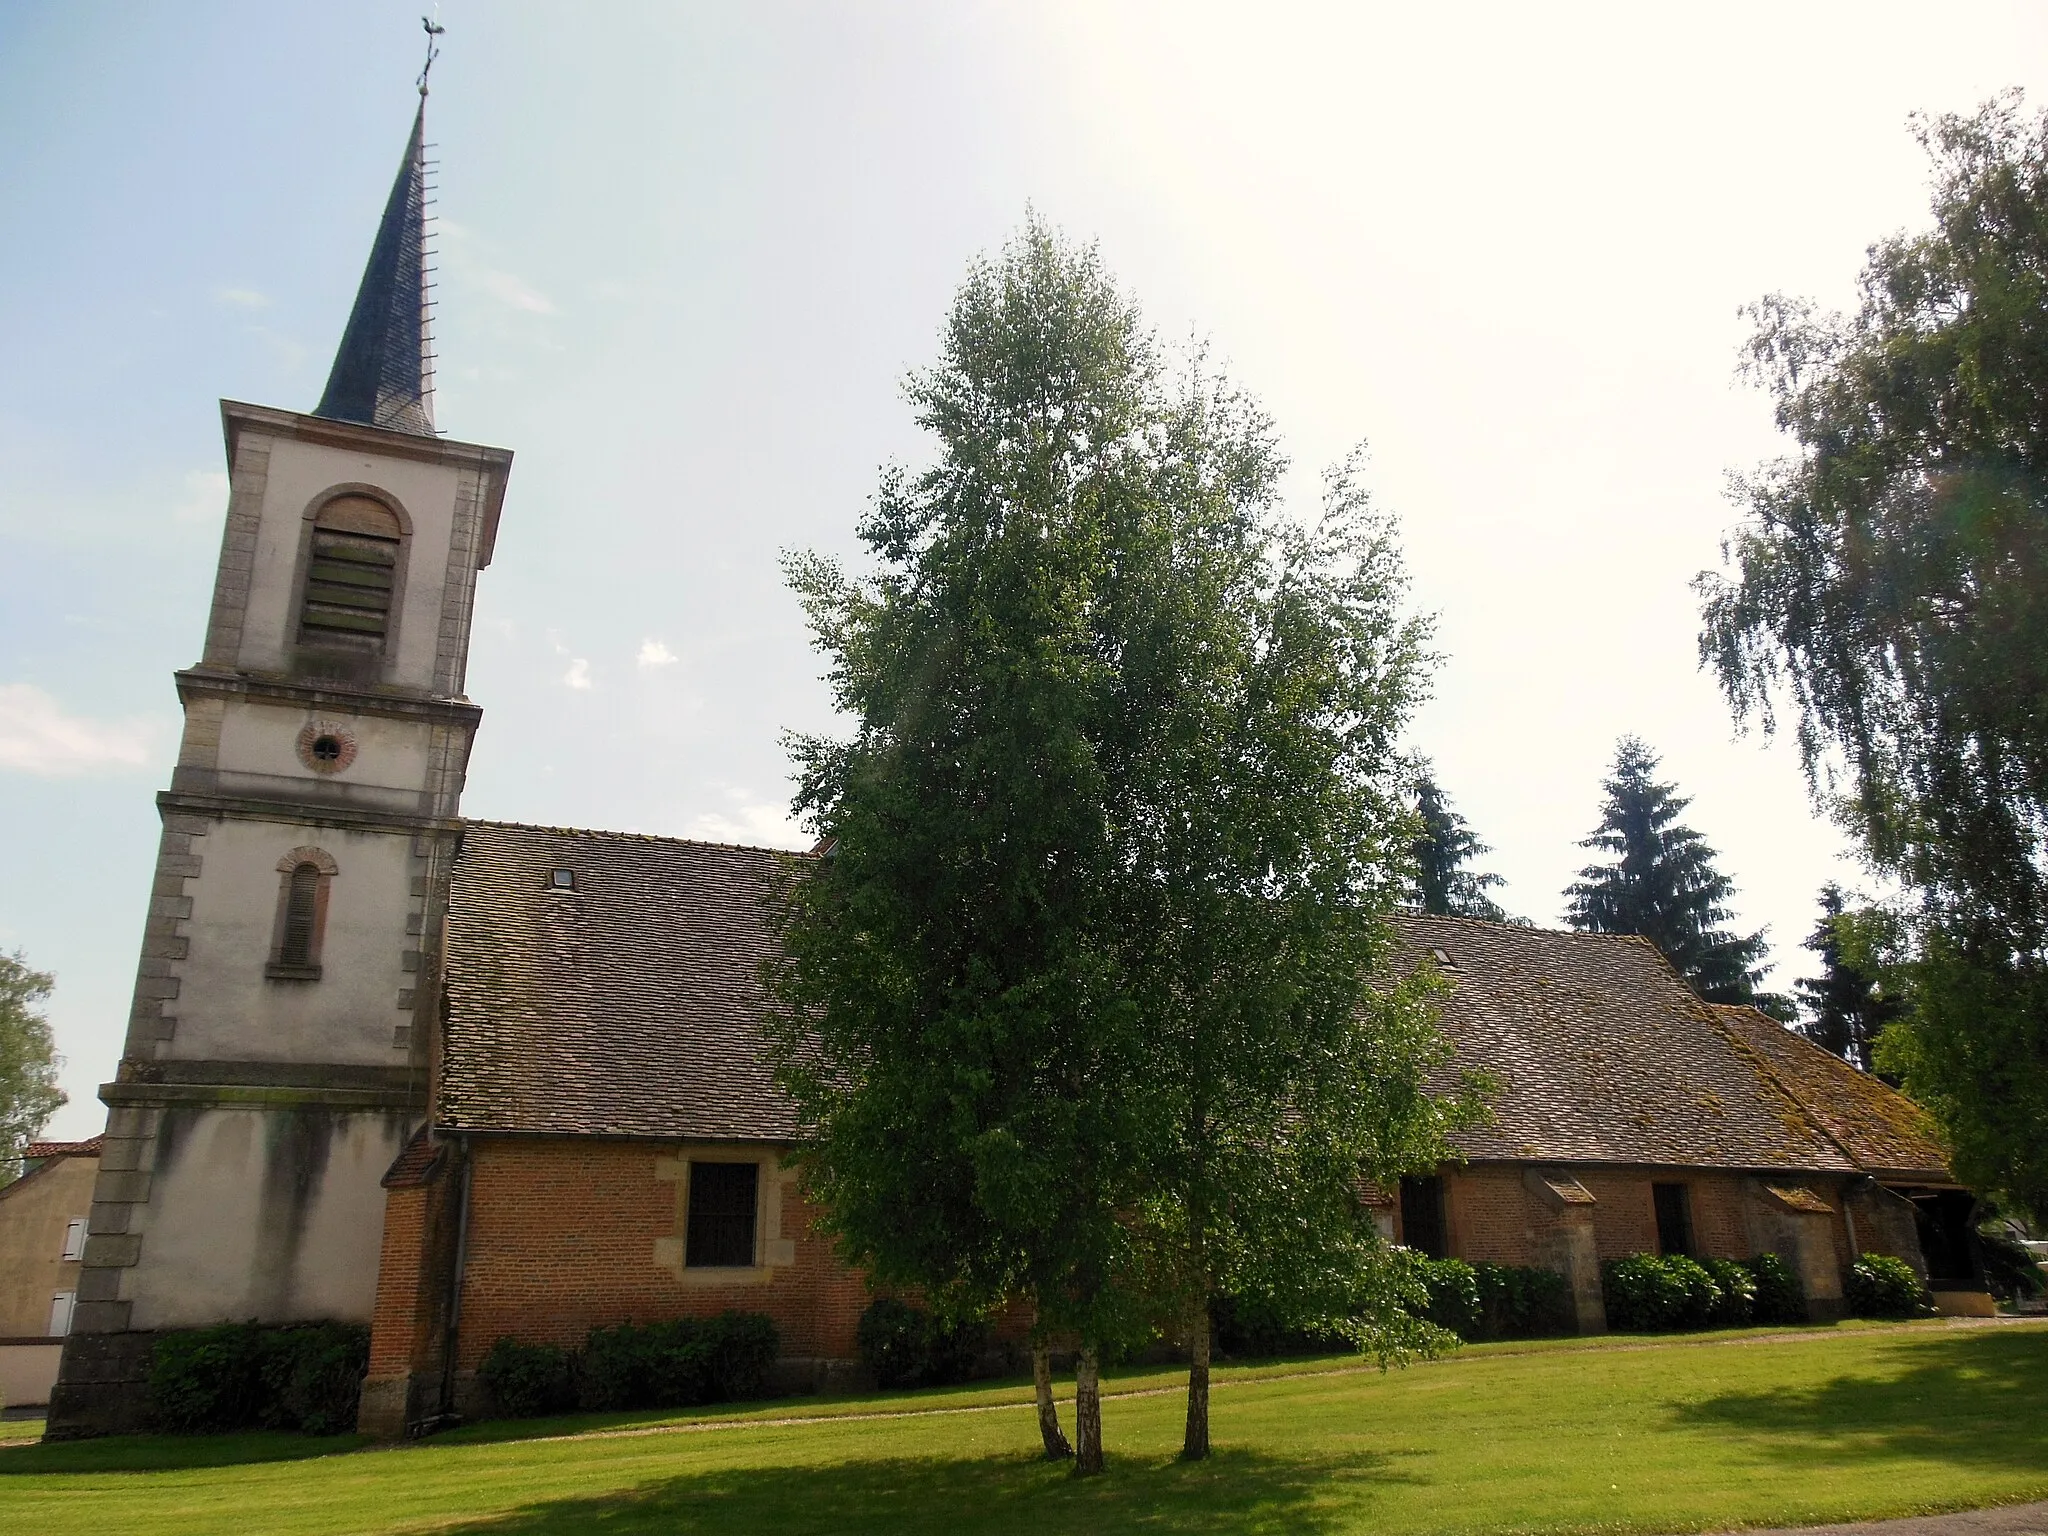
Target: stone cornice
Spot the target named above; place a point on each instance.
(302, 813)
(326, 694)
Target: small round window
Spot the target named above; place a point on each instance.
(326, 746)
(327, 749)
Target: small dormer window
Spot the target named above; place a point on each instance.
(562, 879)
(1443, 958)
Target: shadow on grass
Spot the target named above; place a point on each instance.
(1235, 1491)
(1979, 1399)
(167, 1453)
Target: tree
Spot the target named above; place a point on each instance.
(1661, 883)
(1890, 586)
(28, 1060)
(1266, 675)
(1118, 742)
(1847, 1007)
(1441, 850)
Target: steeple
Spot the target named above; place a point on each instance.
(384, 372)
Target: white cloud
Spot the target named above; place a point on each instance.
(757, 825)
(513, 293)
(578, 675)
(36, 736)
(654, 654)
(242, 298)
(205, 498)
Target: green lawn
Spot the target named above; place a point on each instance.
(1684, 1435)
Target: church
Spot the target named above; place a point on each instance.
(463, 1080)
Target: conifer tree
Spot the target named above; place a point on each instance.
(1847, 1007)
(1444, 887)
(1660, 882)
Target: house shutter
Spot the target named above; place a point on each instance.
(74, 1238)
(297, 948)
(60, 1313)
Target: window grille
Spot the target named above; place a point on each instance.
(721, 1231)
(297, 948)
(351, 575)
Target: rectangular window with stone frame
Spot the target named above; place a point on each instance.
(724, 1198)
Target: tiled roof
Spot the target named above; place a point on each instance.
(1603, 1056)
(36, 1151)
(1882, 1129)
(628, 1006)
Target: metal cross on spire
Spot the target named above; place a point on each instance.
(433, 30)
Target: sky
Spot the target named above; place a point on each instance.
(689, 254)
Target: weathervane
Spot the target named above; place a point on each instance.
(433, 30)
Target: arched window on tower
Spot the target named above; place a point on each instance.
(301, 915)
(351, 576)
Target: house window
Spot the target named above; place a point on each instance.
(60, 1313)
(1422, 1215)
(74, 1238)
(1674, 1218)
(721, 1226)
(306, 874)
(351, 575)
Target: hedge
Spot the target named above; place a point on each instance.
(904, 1346)
(678, 1364)
(1496, 1301)
(305, 1377)
(1649, 1293)
(1885, 1287)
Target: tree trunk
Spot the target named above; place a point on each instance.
(1195, 1445)
(1056, 1447)
(1087, 1416)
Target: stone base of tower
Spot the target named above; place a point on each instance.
(102, 1386)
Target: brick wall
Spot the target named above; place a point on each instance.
(562, 1238)
(395, 1318)
(1492, 1216)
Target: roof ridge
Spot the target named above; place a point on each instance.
(631, 837)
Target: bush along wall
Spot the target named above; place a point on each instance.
(303, 1377)
(1878, 1286)
(905, 1346)
(679, 1364)
(1651, 1293)
(1478, 1302)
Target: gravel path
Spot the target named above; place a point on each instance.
(2008, 1520)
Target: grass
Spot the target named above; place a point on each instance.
(1609, 1436)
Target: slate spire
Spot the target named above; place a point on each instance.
(384, 373)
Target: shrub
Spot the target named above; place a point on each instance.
(302, 1377)
(1885, 1287)
(677, 1364)
(1518, 1301)
(1643, 1296)
(1454, 1301)
(1702, 1296)
(890, 1338)
(904, 1346)
(1253, 1328)
(313, 1376)
(1737, 1286)
(1779, 1296)
(525, 1381)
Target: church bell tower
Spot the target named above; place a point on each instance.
(281, 1040)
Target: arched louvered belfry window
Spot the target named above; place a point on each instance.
(301, 915)
(351, 575)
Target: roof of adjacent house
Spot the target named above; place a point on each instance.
(1883, 1130)
(38, 1151)
(1601, 1054)
(631, 1004)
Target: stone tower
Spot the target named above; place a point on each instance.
(281, 1040)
